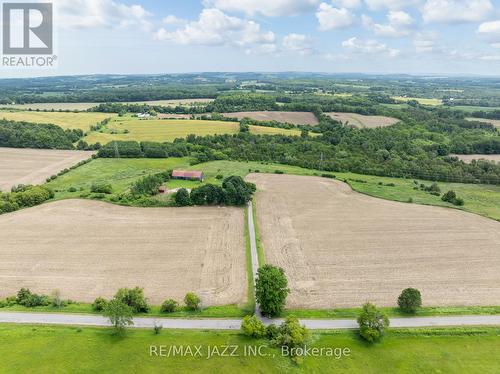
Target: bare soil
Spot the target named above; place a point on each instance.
(295, 118)
(34, 166)
(88, 249)
(359, 120)
(340, 248)
(468, 158)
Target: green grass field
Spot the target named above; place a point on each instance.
(129, 128)
(81, 121)
(420, 100)
(61, 349)
(158, 130)
(121, 173)
(470, 109)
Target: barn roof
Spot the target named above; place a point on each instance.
(187, 174)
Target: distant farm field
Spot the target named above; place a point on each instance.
(363, 121)
(494, 122)
(81, 121)
(470, 109)
(295, 118)
(341, 249)
(128, 128)
(86, 106)
(34, 166)
(88, 249)
(469, 158)
(420, 100)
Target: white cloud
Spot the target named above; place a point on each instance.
(349, 4)
(495, 45)
(391, 4)
(215, 28)
(100, 13)
(263, 49)
(425, 42)
(356, 45)
(331, 18)
(269, 8)
(297, 43)
(173, 20)
(490, 28)
(456, 11)
(400, 24)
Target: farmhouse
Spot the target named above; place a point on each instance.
(188, 175)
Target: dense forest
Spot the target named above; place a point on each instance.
(30, 135)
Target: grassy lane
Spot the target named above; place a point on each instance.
(250, 307)
(353, 313)
(94, 350)
(223, 311)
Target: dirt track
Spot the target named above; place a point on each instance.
(295, 118)
(34, 166)
(88, 249)
(340, 248)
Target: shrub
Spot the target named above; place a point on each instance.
(279, 172)
(99, 304)
(291, 334)
(451, 197)
(331, 176)
(237, 191)
(410, 300)
(253, 327)
(372, 323)
(271, 290)
(182, 197)
(219, 176)
(134, 298)
(26, 298)
(119, 314)
(101, 188)
(157, 329)
(150, 184)
(192, 301)
(168, 306)
(56, 300)
(208, 194)
(72, 189)
(272, 331)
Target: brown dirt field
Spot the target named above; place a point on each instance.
(88, 249)
(295, 118)
(468, 158)
(362, 121)
(34, 166)
(340, 248)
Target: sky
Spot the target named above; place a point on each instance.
(439, 37)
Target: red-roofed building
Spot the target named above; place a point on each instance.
(188, 175)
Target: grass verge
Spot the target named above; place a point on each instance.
(223, 311)
(352, 313)
(54, 349)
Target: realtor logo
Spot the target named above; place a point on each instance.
(28, 29)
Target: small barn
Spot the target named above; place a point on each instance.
(191, 175)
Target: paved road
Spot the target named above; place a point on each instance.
(234, 324)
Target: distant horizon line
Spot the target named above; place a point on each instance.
(417, 75)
